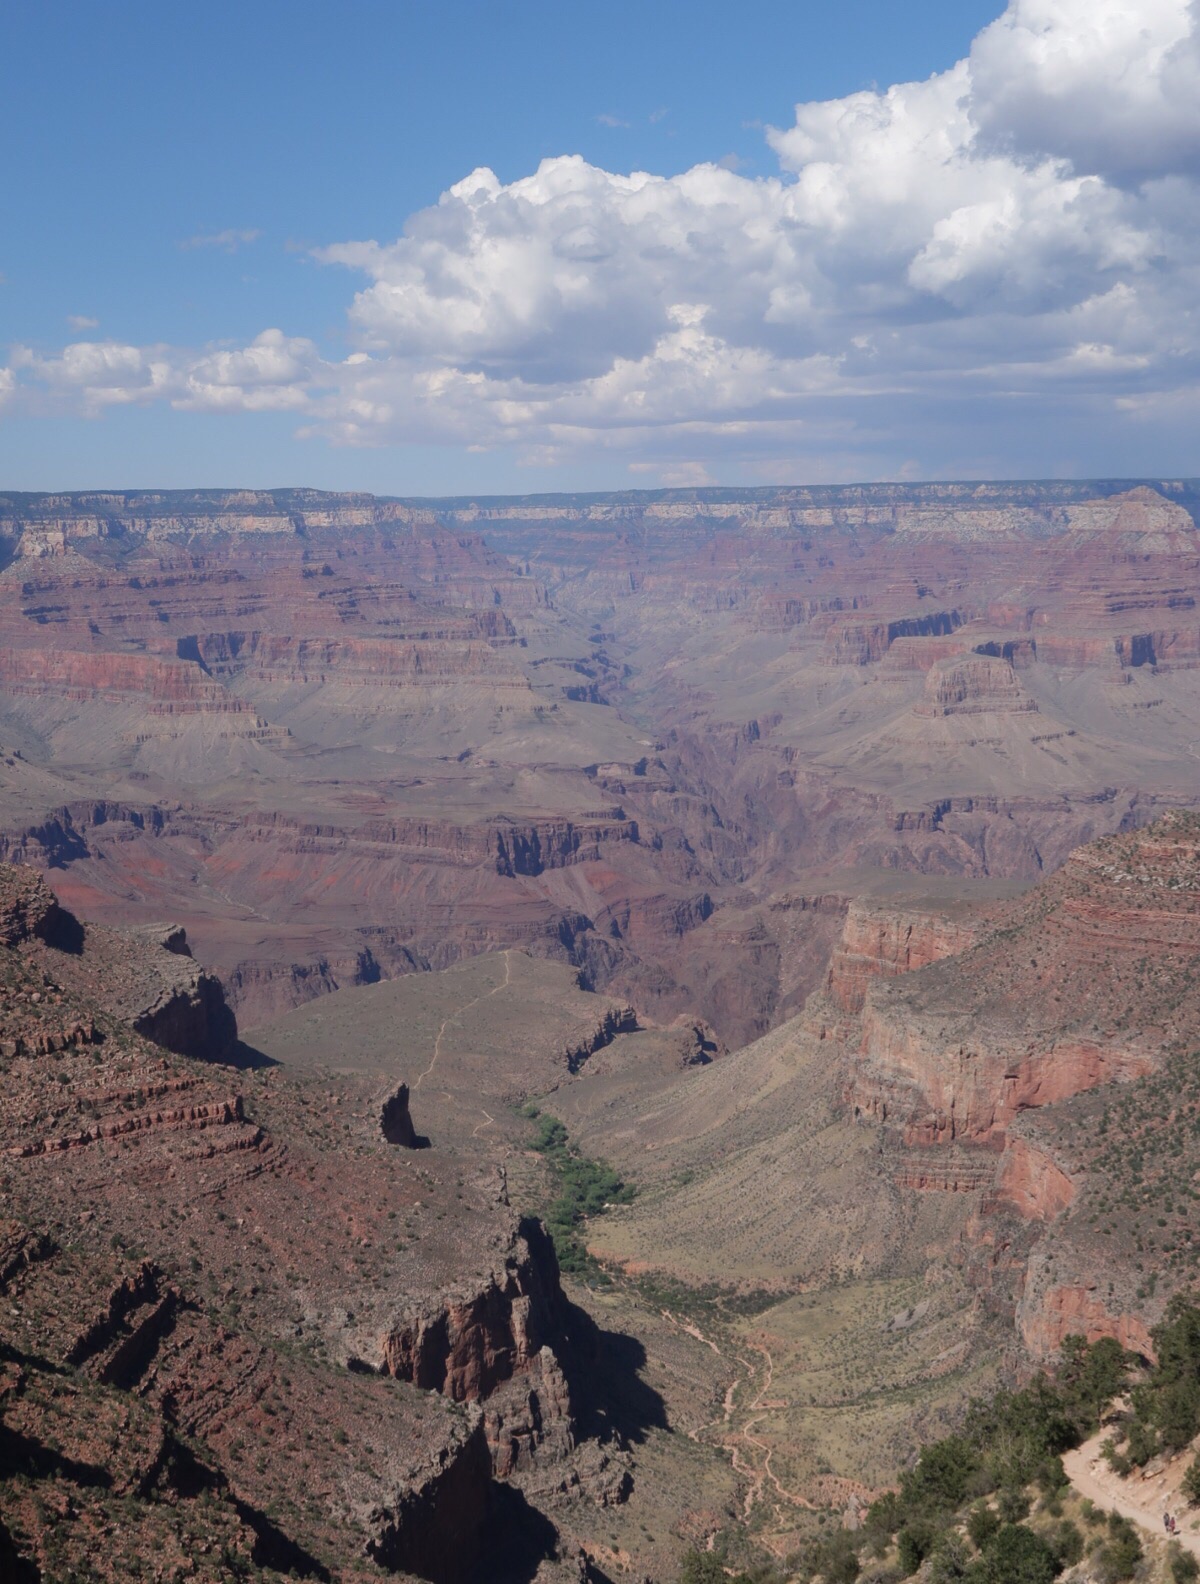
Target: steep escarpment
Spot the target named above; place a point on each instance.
(146, 978)
(1076, 1007)
(367, 736)
(229, 1275)
(1087, 980)
(464, 1345)
(883, 940)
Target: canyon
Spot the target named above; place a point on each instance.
(665, 738)
(824, 860)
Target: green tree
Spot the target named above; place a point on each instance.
(1012, 1505)
(941, 1478)
(915, 1542)
(1190, 1484)
(1066, 1542)
(1015, 1555)
(1090, 1376)
(1166, 1407)
(982, 1523)
(1119, 1558)
(949, 1560)
(702, 1567)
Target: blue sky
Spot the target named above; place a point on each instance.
(210, 210)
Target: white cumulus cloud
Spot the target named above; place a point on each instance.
(997, 258)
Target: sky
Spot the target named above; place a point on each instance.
(468, 247)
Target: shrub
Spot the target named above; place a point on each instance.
(586, 1187)
(1012, 1505)
(708, 1567)
(1091, 1376)
(1189, 1486)
(948, 1561)
(701, 1567)
(884, 1517)
(1051, 1476)
(834, 1556)
(915, 1542)
(1066, 1542)
(982, 1524)
(1166, 1406)
(938, 1483)
(1015, 1555)
(1119, 1557)
(1183, 1565)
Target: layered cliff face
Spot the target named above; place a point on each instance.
(1076, 1005)
(1086, 981)
(340, 737)
(145, 978)
(882, 941)
(287, 1344)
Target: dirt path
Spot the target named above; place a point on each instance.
(453, 1016)
(766, 1472)
(1142, 1501)
(756, 1471)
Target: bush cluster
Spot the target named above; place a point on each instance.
(979, 1479)
(584, 1187)
(1165, 1407)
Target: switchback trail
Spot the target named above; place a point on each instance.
(748, 1453)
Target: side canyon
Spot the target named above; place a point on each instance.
(818, 868)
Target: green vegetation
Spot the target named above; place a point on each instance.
(1165, 1413)
(985, 1505)
(585, 1188)
(961, 1510)
(709, 1567)
(704, 1301)
(1146, 1146)
(1118, 1557)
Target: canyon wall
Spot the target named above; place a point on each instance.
(339, 737)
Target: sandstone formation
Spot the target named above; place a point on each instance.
(979, 1137)
(881, 941)
(284, 1344)
(344, 738)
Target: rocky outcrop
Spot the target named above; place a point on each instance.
(435, 1525)
(29, 910)
(395, 1120)
(882, 941)
(973, 685)
(1010, 1050)
(493, 1345)
(465, 1345)
(1139, 522)
(181, 1006)
(863, 643)
(961, 1049)
(166, 687)
(938, 1082)
(1048, 1314)
(511, 847)
(529, 1423)
(615, 1020)
(1033, 1183)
